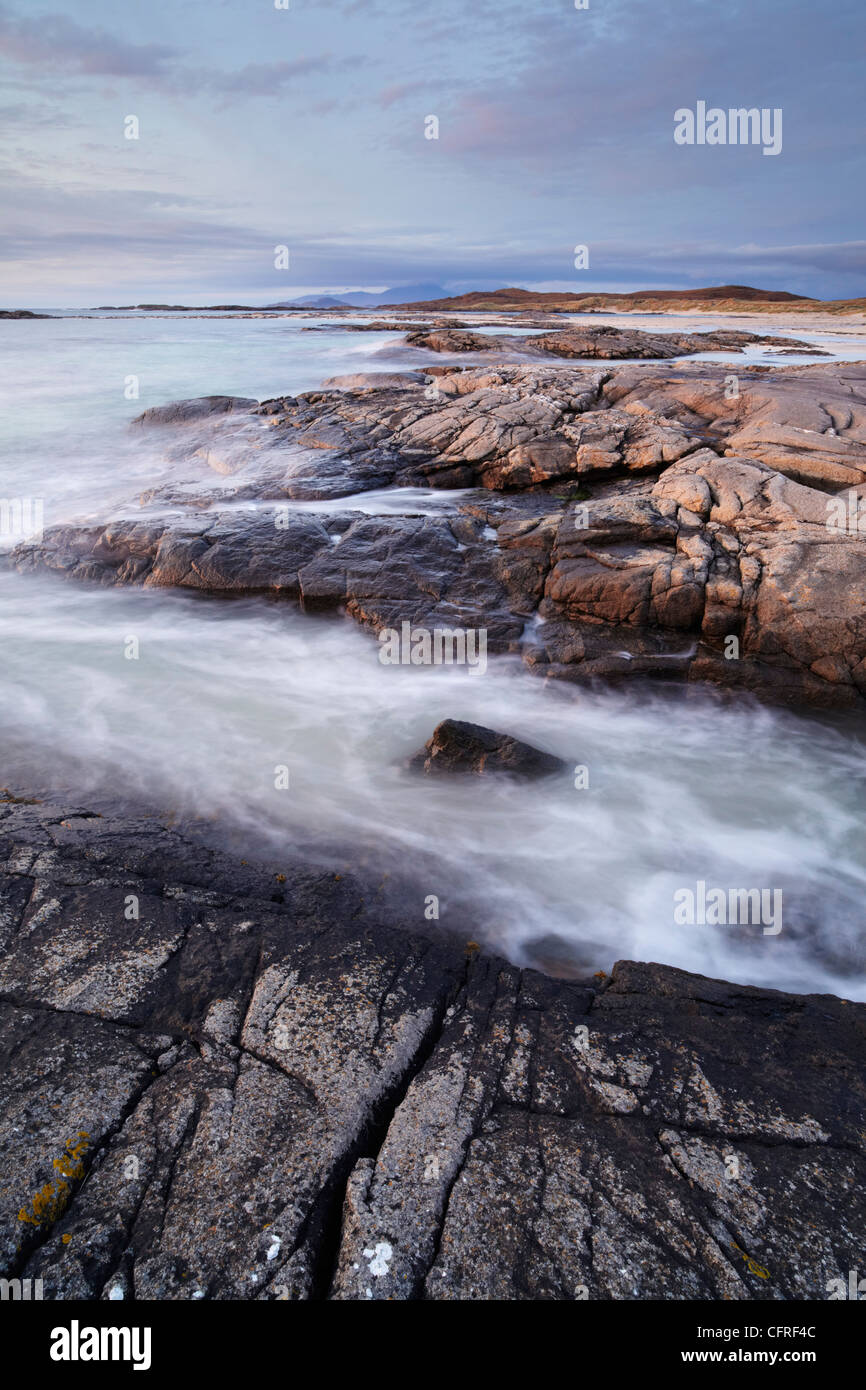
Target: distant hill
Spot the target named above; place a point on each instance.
(717, 292)
(532, 299)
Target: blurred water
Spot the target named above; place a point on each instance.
(682, 787)
(64, 413)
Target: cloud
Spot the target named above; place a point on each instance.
(399, 92)
(607, 81)
(29, 116)
(556, 128)
(267, 79)
(56, 42)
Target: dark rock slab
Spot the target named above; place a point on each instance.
(621, 1143)
(227, 1054)
(430, 571)
(276, 1084)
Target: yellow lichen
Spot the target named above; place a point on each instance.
(751, 1264)
(50, 1200)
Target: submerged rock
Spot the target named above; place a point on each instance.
(460, 747)
(199, 408)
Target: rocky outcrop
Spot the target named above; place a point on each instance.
(688, 523)
(602, 342)
(375, 326)
(806, 422)
(519, 426)
(747, 567)
(459, 747)
(231, 1080)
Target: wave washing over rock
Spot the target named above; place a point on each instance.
(285, 1015)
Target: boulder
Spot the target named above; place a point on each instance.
(460, 747)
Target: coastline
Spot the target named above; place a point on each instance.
(625, 520)
(785, 316)
(285, 1084)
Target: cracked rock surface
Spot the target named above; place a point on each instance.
(260, 1081)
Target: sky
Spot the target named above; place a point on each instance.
(304, 127)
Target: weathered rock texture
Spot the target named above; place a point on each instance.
(270, 1085)
(678, 521)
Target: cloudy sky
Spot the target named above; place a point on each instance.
(305, 127)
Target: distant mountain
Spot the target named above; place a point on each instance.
(311, 301)
(363, 299)
(401, 294)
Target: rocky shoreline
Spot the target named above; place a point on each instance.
(271, 1084)
(229, 1079)
(682, 521)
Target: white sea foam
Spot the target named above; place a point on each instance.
(681, 788)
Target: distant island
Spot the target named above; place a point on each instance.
(427, 298)
(721, 298)
(716, 297)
